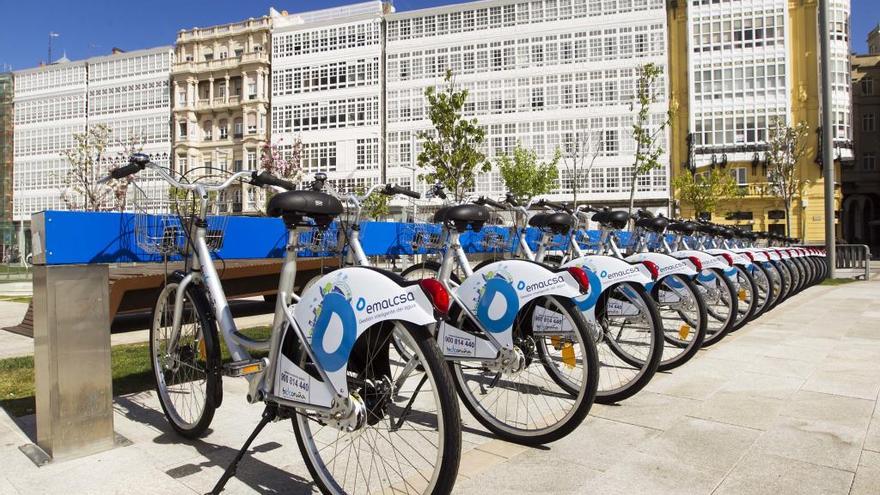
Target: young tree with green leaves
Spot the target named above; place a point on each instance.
(786, 146)
(648, 136)
(524, 176)
(705, 191)
(579, 153)
(375, 206)
(451, 153)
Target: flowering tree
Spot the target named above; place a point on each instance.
(88, 164)
(285, 164)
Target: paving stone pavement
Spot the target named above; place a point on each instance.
(786, 405)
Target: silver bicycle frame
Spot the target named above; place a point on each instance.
(200, 267)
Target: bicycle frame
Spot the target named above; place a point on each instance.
(199, 268)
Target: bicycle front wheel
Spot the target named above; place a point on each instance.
(186, 373)
(683, 313)
(410, 439)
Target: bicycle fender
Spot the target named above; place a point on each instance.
(666, 264)
(342, 305)
(496, 292)
(708, 261)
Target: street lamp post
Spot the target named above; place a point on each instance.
(413, 187)
(827, 135)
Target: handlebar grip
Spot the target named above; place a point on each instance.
(555, 206)
(125, 170)
(393, 189)
(494, 204)
(267, 179)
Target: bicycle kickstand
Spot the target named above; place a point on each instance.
(269, 414)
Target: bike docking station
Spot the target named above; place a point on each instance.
(73, 252)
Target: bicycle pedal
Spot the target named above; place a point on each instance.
(243, 368)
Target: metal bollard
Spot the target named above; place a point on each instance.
(74, 391)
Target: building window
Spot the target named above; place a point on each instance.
(224, 129)
(867, 86)
(252, 160)
(868, 122)
(239, 128)
(181, 130)
(869, 161)
(740, 175)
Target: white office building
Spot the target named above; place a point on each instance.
(50, 106)
(327, 90)
(541, 73)
(128, 92)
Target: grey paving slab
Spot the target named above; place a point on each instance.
(648, 409)
(817, 442)
(762, 385)
(741, 409)
(557, 474)
(867, 480)
(718, 446)
(601, 443)
(765, 474)
(782, 367)
(645, 473)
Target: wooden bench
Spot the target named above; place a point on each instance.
(134, 289)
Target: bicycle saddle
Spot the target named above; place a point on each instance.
(557, 223)
(293, 206)
(615, 219)
(463, 216)
(656, 224)
(686, 228)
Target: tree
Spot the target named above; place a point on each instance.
(703, 192)
(647, 136)
(786, 146)
(375, 206)
(285, 164)
(87, 165)
(451, 153)
(579, 154)
(524, 176)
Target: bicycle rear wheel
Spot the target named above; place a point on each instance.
(746, 293)
(629, 341)
(187, 377)
(550, 390)
(721, 303)
(683, 313)
(410, 438)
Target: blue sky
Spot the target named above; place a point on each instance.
(94, 27)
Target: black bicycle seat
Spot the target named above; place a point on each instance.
(683, 227)
(463, 216)
(657, 224)
(614, 219)
(557, 223)
(294, 206)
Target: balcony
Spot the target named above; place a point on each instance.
(223, 30)
(221, 63)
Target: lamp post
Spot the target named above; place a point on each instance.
(827, 135)
(413, 187)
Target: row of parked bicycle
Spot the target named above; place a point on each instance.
(367, 363)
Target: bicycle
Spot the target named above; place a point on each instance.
(330, 367)
(521, 354)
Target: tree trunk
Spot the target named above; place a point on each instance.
(788, 218)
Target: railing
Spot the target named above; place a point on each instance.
(222, 63)
(224, 29)
(855, 257)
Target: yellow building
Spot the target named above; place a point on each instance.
(735, 65)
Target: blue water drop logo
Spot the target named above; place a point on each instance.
(361, 304)
(521, 285)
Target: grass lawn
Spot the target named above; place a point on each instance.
(18, 299)
(131, 373)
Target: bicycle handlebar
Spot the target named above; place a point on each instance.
(266, 179)
(483, 200)
(392, 190)
(554, 205)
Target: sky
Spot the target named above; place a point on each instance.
(88, 28)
